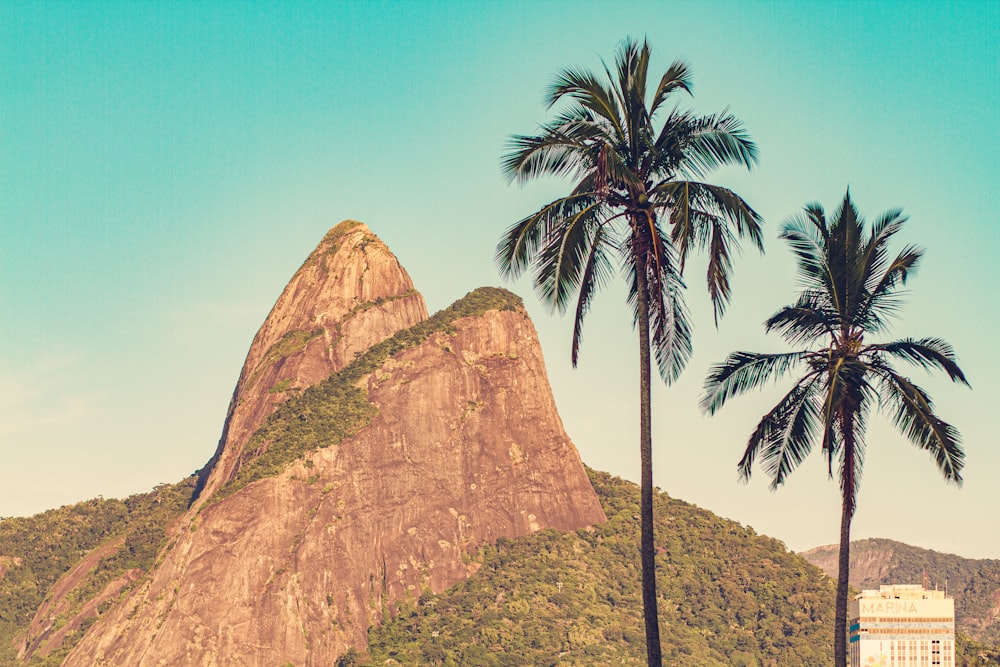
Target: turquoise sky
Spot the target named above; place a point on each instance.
(165, 168)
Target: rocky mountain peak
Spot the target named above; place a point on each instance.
(350, 293)
(368, 451)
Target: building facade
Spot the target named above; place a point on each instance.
(902, 626)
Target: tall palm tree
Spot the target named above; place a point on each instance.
(636, 202)
(850, 290)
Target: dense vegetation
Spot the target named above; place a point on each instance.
(325, 413)
(728, 597)
(37, 550)
(969, 652)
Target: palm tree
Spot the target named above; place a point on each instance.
(850, 290)
(635, 202)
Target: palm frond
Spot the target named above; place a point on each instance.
(668, 147)
(882, 301)
(887, 226)
(809, 247)
(632, 65)
(705, 217)
(726, 218)
(717, 140)
(741, 372)
(719, 266)
(596, 273)
(928, 353)
(584, 88)
(670, 332)
(745, 221)
(844, 253)
(669, 324)
(785, 436)
(817, 218)
(809, 318)
(677, 77)
(551, 154)
(562, 255)
(914, 416)
(519, 245)
(670, 328)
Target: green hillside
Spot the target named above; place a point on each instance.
(729, 597)
(35, 551)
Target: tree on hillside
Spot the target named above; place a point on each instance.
(635, 203)
(850, 290)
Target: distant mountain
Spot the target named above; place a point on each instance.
(975, 584)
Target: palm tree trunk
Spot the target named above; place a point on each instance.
(843, 574)
(844, 558)
(647, 548)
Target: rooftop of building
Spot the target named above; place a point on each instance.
(901, 592)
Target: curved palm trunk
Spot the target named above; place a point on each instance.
(647, 548)
(844, 559)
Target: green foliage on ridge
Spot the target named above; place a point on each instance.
(336, 408)
(290, 343)
(728, 597)
(969, 652)
(49, 544)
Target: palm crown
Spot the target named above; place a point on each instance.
(629, 176)
(850, 288)
(629, 171)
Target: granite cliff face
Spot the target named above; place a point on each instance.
(406, 454)
(349, 294)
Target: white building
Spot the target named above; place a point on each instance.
(901, 626)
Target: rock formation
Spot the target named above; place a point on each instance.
(869, 567)
(452, 440)
(349, 294)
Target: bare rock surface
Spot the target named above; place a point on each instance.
(349, 294)
(867, 565)
(466, 447)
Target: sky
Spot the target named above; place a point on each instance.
(166, 166)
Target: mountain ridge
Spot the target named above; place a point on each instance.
(974, 583)
(326, 314)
